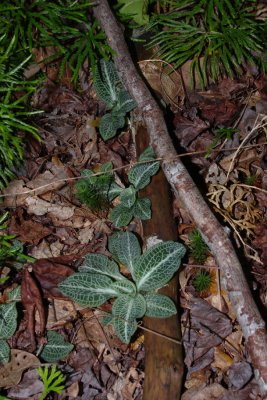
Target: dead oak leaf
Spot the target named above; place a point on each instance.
(40, 207)
(11, 373)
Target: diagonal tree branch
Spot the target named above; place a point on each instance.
(183, 186)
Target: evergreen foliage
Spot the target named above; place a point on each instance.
(218, 36)
(65, 25)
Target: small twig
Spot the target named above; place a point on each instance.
(76, 178)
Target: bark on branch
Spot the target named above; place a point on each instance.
(182, 184)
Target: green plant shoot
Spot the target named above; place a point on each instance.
(53, 380)
(109, 88)
(99, 280)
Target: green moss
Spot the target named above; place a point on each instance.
(198, 248)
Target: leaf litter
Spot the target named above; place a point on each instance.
(58, 231)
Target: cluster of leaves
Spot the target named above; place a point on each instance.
(8, 323)
(218, 36)
(11, 250)
(98, 190)
(14, 92)
(65, 25)
(198, 248)
(53, 380)
(109, 89)
(99, 280)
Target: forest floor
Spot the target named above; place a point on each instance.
(230, 167)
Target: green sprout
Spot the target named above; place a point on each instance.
(202, 281)
(53, 380)
(198, 248)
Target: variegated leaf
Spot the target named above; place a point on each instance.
(128, 197)
(159, 306)
(56, 347)
(141, 174)
(8, 320)
(125, 311)
(109, 124)
(106, 82)
(4, 352)
(124, 102)
(157, 265)
(114, 191)
(121, 216)
(142, 209)
(125, 248)
(125, 287)
(100, 264)
(90, 290)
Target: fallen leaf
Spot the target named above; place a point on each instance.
(211, 392)
(222, 360)
(49, 274)
(39, 207)
(29, 386)
(27, 230)
(239, 374)
(11, 373)
(32, 301)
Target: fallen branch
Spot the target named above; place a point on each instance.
(183, 186)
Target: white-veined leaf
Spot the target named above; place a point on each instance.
(125, 248)
(159, 306)
(100, 264)
(125, 310)
(4, 352)
(109, 124)
(124, 102)
(157, 265)
(124, 287)
(121, 216)
(124, 328)
(114, 191)
(8, 320)
(148, 154)
(90, 290)
(142, 209)
(128, 197)
(106, 82)
(140, 174)
(56, 347)
(15, 294)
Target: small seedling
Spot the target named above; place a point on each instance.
(99, 280)
(53, 380)
(202, 281)
(198, 248)
(98, 190)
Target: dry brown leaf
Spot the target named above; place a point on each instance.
(11, 373)
(211, 392)
(39, 207)
(60, 312)
(222, 360)
(162, 80)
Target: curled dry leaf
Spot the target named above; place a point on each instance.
(49, 274)
(11, 373)
(32, 301)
